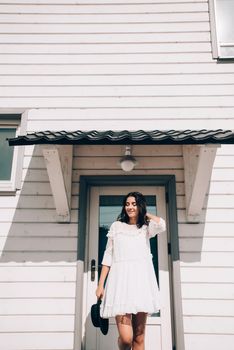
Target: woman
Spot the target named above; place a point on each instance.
(131, 291)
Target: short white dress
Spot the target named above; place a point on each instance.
(131, 284)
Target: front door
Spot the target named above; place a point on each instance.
(105, 206)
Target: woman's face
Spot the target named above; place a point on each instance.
(131, 208)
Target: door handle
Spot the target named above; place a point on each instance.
(93, 269)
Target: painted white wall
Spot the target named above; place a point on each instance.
(37, 265)
(94, 63)
(207, 263)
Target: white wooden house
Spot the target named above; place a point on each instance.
(139, 66)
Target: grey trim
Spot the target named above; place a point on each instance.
(168, 181)
(20, 160)
(213, 29)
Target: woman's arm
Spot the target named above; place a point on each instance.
(156, 225)
(106, 262)
(153, 217)
(104, 273)
(100, 288)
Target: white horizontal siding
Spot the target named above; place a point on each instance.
(91, 2)
(38, 244)
(112, 91)
(204, 325)
(207, 262)
(207, 275)
(38, 256)
(209, 291)
(114, 57)
(37, 265)
(35, 272)
(106, 58)
(114, 80)
(207, 259)
(27, 202)
(100, 28)
(37, 290)
(34, 306)
(114, 102)
(32, 323)
(216, 244)
(206, 341)
(106, 38)
(207, 229)
(205, 307)
(102, 118)
(55, 341)
(144, 7)
(110, 19)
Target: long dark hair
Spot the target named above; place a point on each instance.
(141, 205)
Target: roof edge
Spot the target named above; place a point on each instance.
(110, 137)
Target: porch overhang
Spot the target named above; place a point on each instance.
(199, 151)
(139, 137)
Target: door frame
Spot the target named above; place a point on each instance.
(169, 182)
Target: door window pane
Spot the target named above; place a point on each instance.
(6, 153)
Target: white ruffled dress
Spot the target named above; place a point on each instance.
(131, 284)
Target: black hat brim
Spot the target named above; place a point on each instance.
(104, 325)
(95, 314)
(97, 320)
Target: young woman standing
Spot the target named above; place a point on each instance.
(131, 291)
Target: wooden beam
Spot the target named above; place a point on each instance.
(58, 161)
(198, 164)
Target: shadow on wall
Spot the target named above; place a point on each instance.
(202, 243)
(34, 234)
(31, 231)
(193, 236)
(37, 265)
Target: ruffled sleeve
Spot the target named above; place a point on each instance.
(111, 231)
(108, 253)
(154, 228)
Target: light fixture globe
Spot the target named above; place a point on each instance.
(127, 162)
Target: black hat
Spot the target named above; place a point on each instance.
(97, 320)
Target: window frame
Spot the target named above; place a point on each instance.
(214, 34)
(9, 187)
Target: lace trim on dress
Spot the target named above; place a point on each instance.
(121, 228)
(131, 234)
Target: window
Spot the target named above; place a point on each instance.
(223, 33)
(6, 155)
(10, 157)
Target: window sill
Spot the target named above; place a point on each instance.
(7, 191)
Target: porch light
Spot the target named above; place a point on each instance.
(127, 162)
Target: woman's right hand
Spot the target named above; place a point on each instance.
(99, 292)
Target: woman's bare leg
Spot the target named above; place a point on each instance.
(138, 326)
(124, 324)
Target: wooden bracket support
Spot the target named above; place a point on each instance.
(58, 160)
(198, 164)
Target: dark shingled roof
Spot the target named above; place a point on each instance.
(110, 137)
